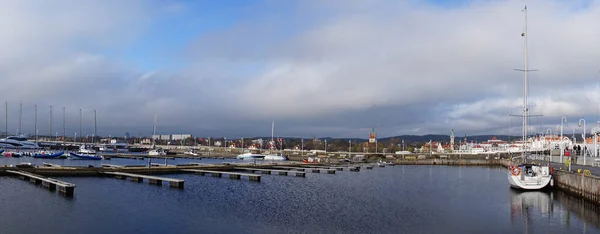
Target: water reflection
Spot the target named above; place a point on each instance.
(551, 209)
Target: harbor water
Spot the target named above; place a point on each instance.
(399, 199)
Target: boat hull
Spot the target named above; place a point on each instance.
(55, 155)
(85, 157)
(540, 180)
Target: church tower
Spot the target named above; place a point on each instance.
(452, 140)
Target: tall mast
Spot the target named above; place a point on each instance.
(6, 118)
(272, 130)
(20, 118)
(154, 132)
(64, 125)
(50, 122)
(80, 124)
(95, 128)
(35, 120)
(525, 70)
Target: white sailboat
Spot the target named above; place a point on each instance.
(154, 151)
(527, 176)
(266, 157)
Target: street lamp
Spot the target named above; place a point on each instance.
(562, 120)
(584, 141)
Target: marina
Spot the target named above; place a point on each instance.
(392, 192)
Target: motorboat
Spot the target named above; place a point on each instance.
(191, 153)
(13, 154)
(85, 153)
(157, 152)
(49, 155)
(17, 142)
(275, 157)
(119, 148)
(527, 176)
(250, 156)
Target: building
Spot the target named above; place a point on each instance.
(175, 137)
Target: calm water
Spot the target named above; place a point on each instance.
(400, 199)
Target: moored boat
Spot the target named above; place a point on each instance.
(85, 156)
(527, 176)
(44, 155)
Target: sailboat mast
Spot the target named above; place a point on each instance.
(272, 132)
(50, 135)
(525, 70)
(95, 128)
(154, 131)
(80, 124)
(20, 119)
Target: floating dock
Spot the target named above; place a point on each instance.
(64, 188)
(270, 171)
(232, 175)
(175, 183)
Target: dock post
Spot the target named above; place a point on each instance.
(136, 179)
(155, 181)
(34, 180)
(175, 184)
(66, 191)
(254, 178)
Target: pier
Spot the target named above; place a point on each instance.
(232, 175)
(175, 183)
(269, 171)
(64, 188)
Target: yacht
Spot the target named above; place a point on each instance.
(527, 176)
(114, 148)
(85, 153)
(17, 142)
(250, 156)
(275, 157)
(157, 152)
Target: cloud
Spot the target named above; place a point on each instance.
(419, 56)
(314, 67)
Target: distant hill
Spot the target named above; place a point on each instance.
(416, 138)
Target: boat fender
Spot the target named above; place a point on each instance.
(551, 182)
(515, 171)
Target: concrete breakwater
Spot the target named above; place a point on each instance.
(577, 184)
(463, 162)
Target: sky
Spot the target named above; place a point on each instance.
(317, 68)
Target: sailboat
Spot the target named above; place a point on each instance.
(272, 157)
(85, 152)
(155, 151)
(527, 176)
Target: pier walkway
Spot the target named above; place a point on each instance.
(232, 175)
(313, 169)
(269, 171)
(64, 188)
(176, 183)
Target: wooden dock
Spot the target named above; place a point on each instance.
(269, 171)
(176, 183)
(232, 175)
(64, 188)
(312, 169)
